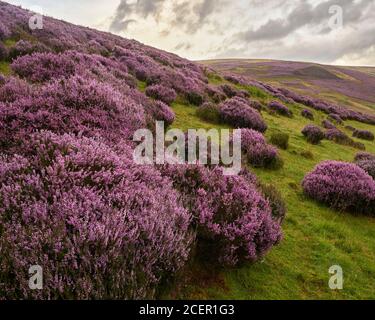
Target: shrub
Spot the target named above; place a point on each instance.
(240, 115)
(3, 52)
(307, 154)
(13, 89)
(364, 156)
(368, 166)
(233, 220)
(350, 128)
(328, 125)
(229, 91)
(23, 47)
(358, 145)
(313, 134)
(280, 140)
(306, 113)
(279, 108)
(255, 105)
(364, 135)
(335, 117)
(274, 197)
(338, 136)
(4, 31)
(162, 112)
(209, 112)
(101, 227)
(159, 92)
(343, 186)
(258, 152)
(194, 98)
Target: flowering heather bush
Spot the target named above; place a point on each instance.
(162, 112)
(328, 124)
(306, 113)
(240, 115)
(258, 152)
(368, 166)
(335, 117)
(360, 156)
(280, 108)
(313, 134)
(233, 220)
(364, 135)
(23, 48)
(229, 91)
(215, 94)
(4, 32)
(13, 89)
(338, 136)
(73, 105)
(101, 227)
(255, 105)
(209, 112)
(343, 186)
(159, 92)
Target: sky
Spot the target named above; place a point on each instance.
(324, 31)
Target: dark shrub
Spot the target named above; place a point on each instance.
(159, 92)
(364, 135)
(194, 98)
(258, 152)
(313, 134)
(280, 139)
(328, 124)
(306, 113)
(338, 136)
(229, 91)
(276, 201)
(307, 154)
(209, 112)
(364, 156)
(3, 52)
(255, 105)
(279, 108)
(343, 186)
(240, 115)
(101, 226)
(335, 117)
(350, 128)
(368, 166)
(233, 220)
(358, 145)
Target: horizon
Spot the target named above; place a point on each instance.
(345, 31)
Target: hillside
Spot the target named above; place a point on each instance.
(73, 200)
(351, 86)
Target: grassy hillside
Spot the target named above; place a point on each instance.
(315, 237)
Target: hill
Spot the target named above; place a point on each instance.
(73, 201)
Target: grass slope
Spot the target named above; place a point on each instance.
(316, 237)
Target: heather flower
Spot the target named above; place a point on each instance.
(233, 220)
(368, 166)
(335, 117)
(280, 108)
(163, 112)
(240, 115)
(338, 136)
(313, 134)
(4, 32)
(306, 113)
(100, 226)
(229, 91)
(159, 92)
(364, 135)
(343, 186)
(360, 156)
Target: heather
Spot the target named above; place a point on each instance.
(368, 166)
(233, 220)
(364, 135)
(313, 134)
(343, 186)
(91, 218)
(364, 156)
(328, 124)
(306, 113)
(280, 108)
(161, 93)
(257, 151)
(240, 115)
(209, 112)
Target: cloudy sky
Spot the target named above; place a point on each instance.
(325, 31)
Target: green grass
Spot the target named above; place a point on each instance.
(315, 237)
(5, 68)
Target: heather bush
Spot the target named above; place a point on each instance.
(23, 47)
(229, 91)
(238, 114)
(279, 108)
(257, 151)
(328, 124)
(338, 136)
(368, 166)
(306, 113)
(343, 186)
(350, 128)
(360, 156)
(4, 32)
(159, 92)
(162, 112)
(74, 105)
(358, 145)
(277, 203)
(335, 117)
(209, 112)
(313, 134)
(364, 135)
(13, 89)
(215, 94)
(280, 140)
(255, 105)
(101, 227)
(233, 220)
